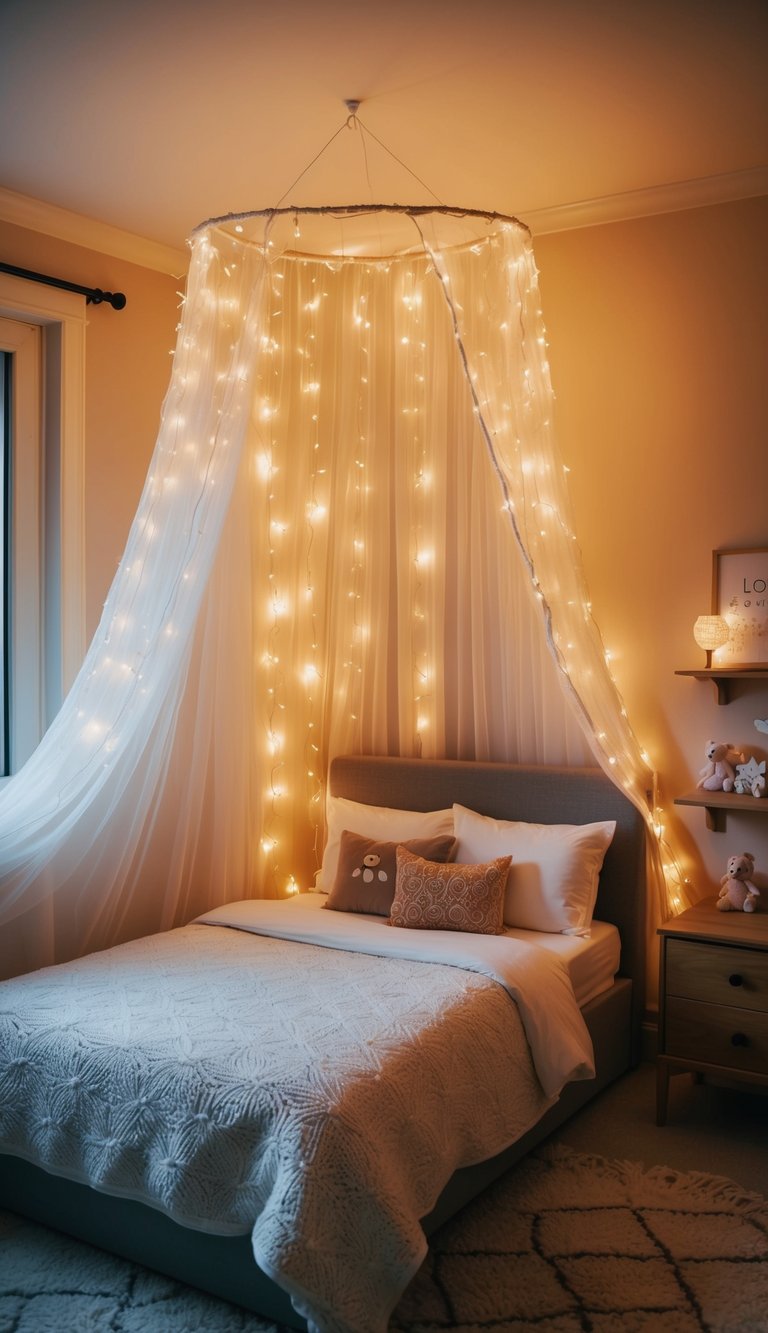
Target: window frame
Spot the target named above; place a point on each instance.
(47, 574)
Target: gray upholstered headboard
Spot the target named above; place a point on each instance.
(539, 795)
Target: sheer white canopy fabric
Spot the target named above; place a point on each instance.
(354, 536)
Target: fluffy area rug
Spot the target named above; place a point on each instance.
(564, 1243)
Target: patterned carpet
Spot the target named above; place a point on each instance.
(564, 1244)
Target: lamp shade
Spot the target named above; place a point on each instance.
(711, 632)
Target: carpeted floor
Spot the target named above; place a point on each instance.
(566, 1242)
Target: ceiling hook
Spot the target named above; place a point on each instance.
(352, 104)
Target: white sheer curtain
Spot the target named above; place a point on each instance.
(354, 536)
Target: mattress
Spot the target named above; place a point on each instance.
(591, 961)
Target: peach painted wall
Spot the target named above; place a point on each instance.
(127, 370)
(658, 338)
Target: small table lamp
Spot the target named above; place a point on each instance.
(711, 632)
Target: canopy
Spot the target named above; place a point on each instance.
(354, 535)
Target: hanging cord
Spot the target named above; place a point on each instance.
(357, 124)
(315, 159)
(395, 158)
(340, 211)
(353, 121)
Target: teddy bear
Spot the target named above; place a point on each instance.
(367, 869)
(738, 893)
(750, 778)
(718, 773)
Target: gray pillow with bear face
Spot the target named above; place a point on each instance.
(367, 870)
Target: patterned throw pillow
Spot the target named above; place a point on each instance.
(449, 897)
(367, 869)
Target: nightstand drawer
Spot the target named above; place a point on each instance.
(717, 974)
(717, 1034)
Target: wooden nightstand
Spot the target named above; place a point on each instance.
(713, 997)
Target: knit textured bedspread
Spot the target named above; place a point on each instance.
(318, 1098)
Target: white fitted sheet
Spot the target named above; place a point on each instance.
(591, 961)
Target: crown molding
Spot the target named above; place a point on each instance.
(50, 220)
(656, 199)
(35, 215)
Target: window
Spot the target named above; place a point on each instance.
(41, 529)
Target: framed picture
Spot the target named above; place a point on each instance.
(740, 594)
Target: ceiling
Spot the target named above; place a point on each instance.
(152, 115)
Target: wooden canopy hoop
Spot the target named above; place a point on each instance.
(357, 210)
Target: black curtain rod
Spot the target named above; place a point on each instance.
(93, 295)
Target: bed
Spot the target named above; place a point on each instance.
(363, 1096)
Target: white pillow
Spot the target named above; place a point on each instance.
(552, 883)
(374, 821)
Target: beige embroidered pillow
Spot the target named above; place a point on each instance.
(429, 896)
(367, 869)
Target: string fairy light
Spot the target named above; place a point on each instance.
(357, 639)
(414, 361)
(316, 510)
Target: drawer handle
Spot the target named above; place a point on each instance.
(736, 979)
(739, 1039)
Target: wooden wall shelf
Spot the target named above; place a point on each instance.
(723, 678)
(718, 803)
